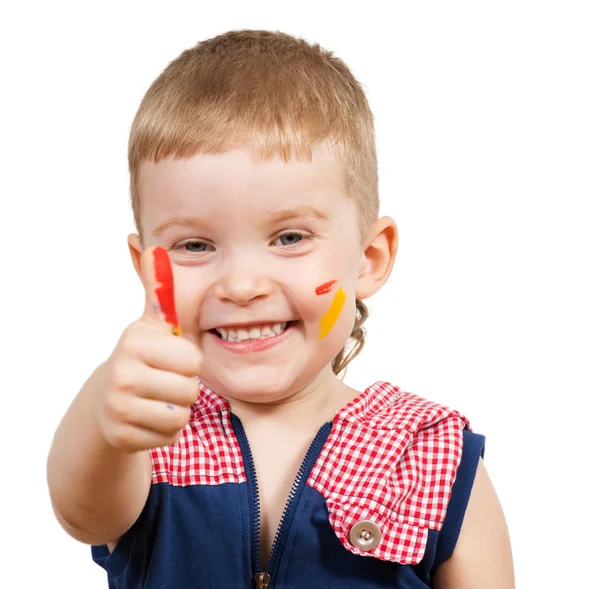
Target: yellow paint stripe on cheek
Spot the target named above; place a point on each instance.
(328, 320)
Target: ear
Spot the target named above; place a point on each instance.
(135, 249)
(377, 258)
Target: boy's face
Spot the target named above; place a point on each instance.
(250, 243)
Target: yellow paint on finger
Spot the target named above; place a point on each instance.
(331, 316)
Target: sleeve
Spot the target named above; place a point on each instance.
(115, 562)
(473, 449)
(137, 541)
(100, 555)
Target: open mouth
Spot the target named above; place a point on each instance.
(252, 332)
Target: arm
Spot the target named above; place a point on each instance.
(97, 491)
(99, 468)
(482, 558)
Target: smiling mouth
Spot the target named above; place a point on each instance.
(251, 332)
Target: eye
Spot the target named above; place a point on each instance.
(193, 246)
(291, 238)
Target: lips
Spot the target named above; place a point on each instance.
(250, 344)
(258, 331)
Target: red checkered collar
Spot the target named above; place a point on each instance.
(382, 405)
(365, 406)
(390, 460)
(209, 402)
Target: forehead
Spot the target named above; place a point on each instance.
(235, 182)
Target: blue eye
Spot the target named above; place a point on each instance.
(192, 246)
(291, 238)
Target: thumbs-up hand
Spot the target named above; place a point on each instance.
(150, 377)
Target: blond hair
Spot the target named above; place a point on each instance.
(274, 92)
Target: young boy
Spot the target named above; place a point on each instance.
(216, 446)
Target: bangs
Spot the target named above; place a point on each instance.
(272, 93)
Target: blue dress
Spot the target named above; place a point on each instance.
(378, 502)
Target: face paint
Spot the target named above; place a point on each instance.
(325, 288)
(165, 291)
(331, 316)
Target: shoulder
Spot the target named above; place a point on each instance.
(391, 458)
(482, 557)
(387, 405)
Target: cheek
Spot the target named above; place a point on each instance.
(187, 297)
(333, 312)
(335, 309)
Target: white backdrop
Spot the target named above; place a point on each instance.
(489, 142)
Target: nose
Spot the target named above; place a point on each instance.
(243, 279)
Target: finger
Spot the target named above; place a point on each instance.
(131, 438)
(177, 355)
(158, 417)
(167, 387)
(157, 277)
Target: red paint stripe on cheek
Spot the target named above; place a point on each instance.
(325, 288)
(165, 291)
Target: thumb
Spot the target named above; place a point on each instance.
(157, 277)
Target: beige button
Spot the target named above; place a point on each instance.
(365, 535)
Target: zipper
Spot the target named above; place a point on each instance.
(263, 578)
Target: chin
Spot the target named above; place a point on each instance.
(251, 390)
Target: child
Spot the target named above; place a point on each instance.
(216, 446)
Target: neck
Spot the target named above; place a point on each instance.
(312, 405)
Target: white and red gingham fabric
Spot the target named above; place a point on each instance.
(207, 453)
(391, 458)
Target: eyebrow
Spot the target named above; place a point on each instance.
(176, 222)
(302, 212)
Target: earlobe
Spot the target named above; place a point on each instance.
(135, 249)
(378, 258)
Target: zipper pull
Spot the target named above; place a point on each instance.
(262, 580)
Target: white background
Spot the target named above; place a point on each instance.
(489, 142)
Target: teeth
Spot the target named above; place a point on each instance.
(240, 335)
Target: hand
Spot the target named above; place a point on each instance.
(149, 381)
